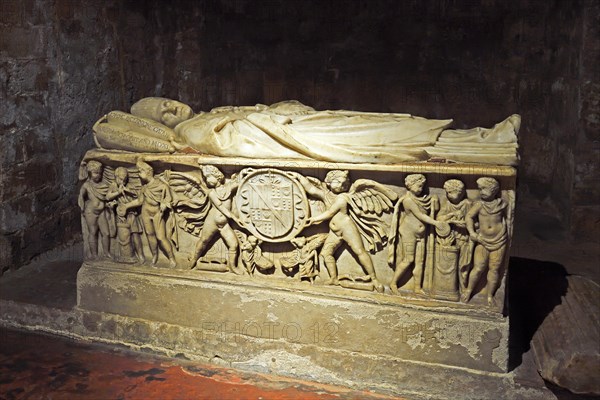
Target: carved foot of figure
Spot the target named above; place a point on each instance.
(377, 286)
(420, 291)
(491, 302)
(237, 271)
(128, 260)
(465, 297)
(154, 259)
(332, 281)
(192, 262)
(172, 263)
(394, 288)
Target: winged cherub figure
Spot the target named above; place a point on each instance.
(354, 214)
(206, 209)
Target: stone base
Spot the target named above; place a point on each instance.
(382, 343)
(325, 361)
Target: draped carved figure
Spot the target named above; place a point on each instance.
(292, 130)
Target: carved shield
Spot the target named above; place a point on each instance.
(272, 205)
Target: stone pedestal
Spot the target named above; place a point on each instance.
(240, 319)
(373, 341)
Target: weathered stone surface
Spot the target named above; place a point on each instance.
(566, 344)
(228, 312)
(315, 353)
(53, 75)
(377, 373)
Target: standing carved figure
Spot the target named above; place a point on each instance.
(219, 193)
(411, 215)
(92, 202)
(454, 248)
(129, 226)
(491, 239)
(353, 214)
(156, 200)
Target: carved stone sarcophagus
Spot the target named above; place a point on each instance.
(361, 249)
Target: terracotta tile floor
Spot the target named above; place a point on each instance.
(35, 366)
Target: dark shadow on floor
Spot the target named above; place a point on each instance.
(53, 284)
(534, 289)
(564, 394)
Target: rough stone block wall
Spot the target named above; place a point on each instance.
(64, 63)
(59, 71)
(585, 198)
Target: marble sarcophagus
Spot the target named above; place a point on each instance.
(362, 249)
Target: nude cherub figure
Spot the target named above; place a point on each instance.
(129, 226)
(220, 193)
(411, 225)
(342, 228)
(154, 199)
(91, 201)
(491, 237)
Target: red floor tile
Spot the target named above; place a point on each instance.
(34, 366)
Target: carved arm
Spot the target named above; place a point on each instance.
(410, 205)
(470, 221)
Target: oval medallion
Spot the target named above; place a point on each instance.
(272, 205)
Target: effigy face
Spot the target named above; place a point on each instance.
(413, 255)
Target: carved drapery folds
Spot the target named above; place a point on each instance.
(435, 235)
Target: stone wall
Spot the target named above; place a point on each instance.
(59, 71)
(64, 63)
(584, 217)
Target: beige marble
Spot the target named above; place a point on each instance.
(411, 230)
(292, 130)
(393, 230)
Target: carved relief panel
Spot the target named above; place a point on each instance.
(435, 236)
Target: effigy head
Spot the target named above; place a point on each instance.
(338, 181)
(166, 111)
